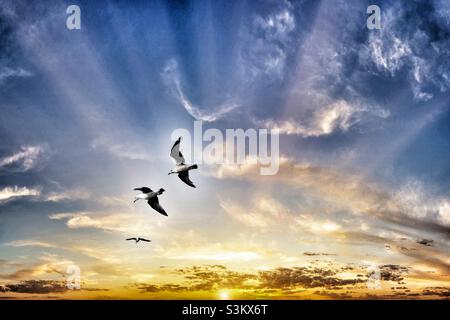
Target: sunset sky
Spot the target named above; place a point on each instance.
(364, 120)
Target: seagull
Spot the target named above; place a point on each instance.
(139, 239)
(151, 197)
(181, 168)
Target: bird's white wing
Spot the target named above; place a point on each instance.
(175, 152)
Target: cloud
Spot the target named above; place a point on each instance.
(338, 116)
(279, 280)
(27, 243)
(49, 264)
(191, 246)
(38, 194)
(36, 286)
(413, 38)
(350, 192)
(9, 193)
(391, 272)
(121, 223)
(313, 254)
(23, 160)
(267, 43)
(6, 72)
(106, 262)
(75, 194)
(172, 78)
(262, 213)
(437, 291)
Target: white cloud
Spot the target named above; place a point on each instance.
(336, 116)
(108, 222)
(67, 195)
(267, 43)
(389, 55)
(264, 212)
(13, 192)
(26, 158)
(172, 78)
(277, 25)
(29, 243)
(420, 52)
(7, 72)
(418, 203)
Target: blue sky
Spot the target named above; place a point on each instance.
(87, 115)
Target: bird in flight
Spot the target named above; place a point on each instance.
(139, 239)
(151, 197)
(181, 168)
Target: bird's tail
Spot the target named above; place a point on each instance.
(160, 191)
(194, 166)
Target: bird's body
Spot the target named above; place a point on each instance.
(139, 239)
(181, 168)
(146, 196)
(151, 197)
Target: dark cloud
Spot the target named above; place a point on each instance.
(392, 272)
(42, 287)
(285, 280)
(437, 291)
(305, 277)
(335, 295)
(36, 286)
(312, 254)
(425, 242)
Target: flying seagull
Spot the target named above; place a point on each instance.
(139, 239)
(151, 197)
(181, 168)
(426, 242)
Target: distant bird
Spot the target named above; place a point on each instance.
(426, 242)
(151, 197)
(139, 239)
(181, 168)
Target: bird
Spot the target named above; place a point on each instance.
(181, 168)
(139, 239)
(151, 197)
(426, 242)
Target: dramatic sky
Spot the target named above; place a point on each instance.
(364, 119)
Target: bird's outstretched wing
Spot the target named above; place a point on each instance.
(176, 153)
(131, 239)
(184, 176)
(144, 189)
(146, 240)
(154, 203)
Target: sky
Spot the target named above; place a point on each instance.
(359, 209)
